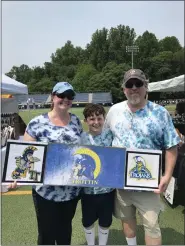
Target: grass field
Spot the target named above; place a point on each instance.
(19, 221)
(27, 115)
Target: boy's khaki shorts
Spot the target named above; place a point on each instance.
(148, 205)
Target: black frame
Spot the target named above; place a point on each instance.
(9, 142)
(159, 171)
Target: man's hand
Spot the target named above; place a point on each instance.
(170, 161)
(163, 184)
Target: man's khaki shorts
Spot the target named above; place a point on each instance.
(148, 205)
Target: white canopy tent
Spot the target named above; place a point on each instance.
(10, 105)
(11, 86)
(176, 84)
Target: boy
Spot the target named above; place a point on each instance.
(97, 203)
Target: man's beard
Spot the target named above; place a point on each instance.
(134, 100)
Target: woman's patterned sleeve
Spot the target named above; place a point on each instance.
(32, 127)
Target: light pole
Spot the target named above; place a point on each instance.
(132, 49)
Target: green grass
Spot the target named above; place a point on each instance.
(28, 115)
(19, 225)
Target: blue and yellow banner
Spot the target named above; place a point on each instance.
(86, 166)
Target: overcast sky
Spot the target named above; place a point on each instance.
(32, 31)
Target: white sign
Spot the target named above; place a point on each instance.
(24, 162)
(169, 193)
(143, 169)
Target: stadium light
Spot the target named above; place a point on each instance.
(132, 49)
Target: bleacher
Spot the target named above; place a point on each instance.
(81, 98)
(102, 97)
(39, 98)
(21, 99)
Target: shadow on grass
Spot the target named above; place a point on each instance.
(169, 237)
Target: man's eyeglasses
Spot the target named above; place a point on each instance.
(63, 95)
(137, 84)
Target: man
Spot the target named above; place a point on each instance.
(141, 124)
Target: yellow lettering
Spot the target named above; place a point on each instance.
(78, 181)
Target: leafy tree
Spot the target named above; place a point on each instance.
(98, 49)
(161, 66)
(83, 74)
(109, 80)
(21, 74)
(101, 65)
(170, 44)
(119, 38)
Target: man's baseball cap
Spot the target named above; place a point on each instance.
(134, 74)
(61, 87)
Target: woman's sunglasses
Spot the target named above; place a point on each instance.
(69, 96)
(137, 84)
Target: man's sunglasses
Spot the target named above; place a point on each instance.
(137, 84)
(63, 95)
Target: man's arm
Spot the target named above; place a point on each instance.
(170, 142)
(170, 161)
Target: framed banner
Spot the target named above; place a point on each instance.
(86, 166)
(24, 162)
(143, 169)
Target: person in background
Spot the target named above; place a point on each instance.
(97, 203)
(141, 124)
(55, 206)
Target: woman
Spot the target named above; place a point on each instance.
(55, 206)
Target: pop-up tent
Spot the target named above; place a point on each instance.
(11, 86)
(170, 85)
(9, 105)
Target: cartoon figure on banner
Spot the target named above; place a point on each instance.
(83, 167)
(25, 164)
(140, 171)
(79, 168)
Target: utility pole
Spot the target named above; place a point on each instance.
(132, 49)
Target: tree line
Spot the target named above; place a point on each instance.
(101, 64)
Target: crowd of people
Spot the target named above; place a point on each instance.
(135, 123)
(166, 102)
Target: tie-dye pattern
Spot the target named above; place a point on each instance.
(43, 130)
(148, 128)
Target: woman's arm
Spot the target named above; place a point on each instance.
(27, 137)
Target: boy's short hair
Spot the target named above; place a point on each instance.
(91, 109)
